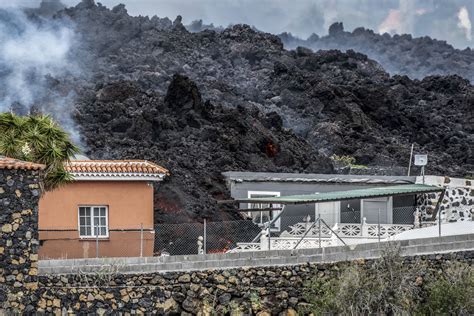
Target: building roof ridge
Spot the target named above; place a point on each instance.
(13, 163)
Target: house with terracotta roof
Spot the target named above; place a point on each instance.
(106, 211)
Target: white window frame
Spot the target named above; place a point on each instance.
(92, 221)
(277, 224)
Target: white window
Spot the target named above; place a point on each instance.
(264, 217)
(93, 221)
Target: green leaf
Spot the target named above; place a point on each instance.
(38, 138)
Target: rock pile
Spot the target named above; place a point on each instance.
(398, 54)
(207, 102)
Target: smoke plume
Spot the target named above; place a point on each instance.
(34, 57)
(464, 22)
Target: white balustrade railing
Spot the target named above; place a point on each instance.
(347, 230)
(299, 229)
(246, 246)
(289, 238)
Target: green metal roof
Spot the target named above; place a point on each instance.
(407, 189)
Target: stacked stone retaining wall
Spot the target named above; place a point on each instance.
(19, 195)
(264, 290)
(278, 290)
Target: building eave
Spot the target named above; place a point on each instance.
(100, 176)
(239, 177)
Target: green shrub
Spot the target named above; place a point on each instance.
(387, 286)
(348, 161)
(450, 291)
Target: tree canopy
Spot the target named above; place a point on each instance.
(39, 139)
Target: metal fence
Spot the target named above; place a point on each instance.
(219, 237)
(207, 237)
(96, 242)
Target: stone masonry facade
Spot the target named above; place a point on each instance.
(242, 291)
(276, 290)
(19, 195)
(457, 204)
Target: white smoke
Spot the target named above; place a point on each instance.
(35, 53)
(465, 23)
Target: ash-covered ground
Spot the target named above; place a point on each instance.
(207, 102)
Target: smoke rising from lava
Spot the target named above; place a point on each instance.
(34, 54)
(465, 22)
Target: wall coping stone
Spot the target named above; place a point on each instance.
(256, 259)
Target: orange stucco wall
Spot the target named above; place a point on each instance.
(67, 245)
(130, 204)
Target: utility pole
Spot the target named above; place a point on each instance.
(411, 158)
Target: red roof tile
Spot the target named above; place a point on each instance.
(10, 163)
(137, 167)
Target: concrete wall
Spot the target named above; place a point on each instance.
(130, 204)
(19, 194)
(413, 247)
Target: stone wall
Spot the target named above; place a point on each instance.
(261, 291)
(19, 195)
(257, 290)
(457, 204)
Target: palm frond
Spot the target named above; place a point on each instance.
(38, 138)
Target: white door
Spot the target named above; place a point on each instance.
(329, 212)
(377, 209)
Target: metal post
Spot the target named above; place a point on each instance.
(379, 224)
(97, 240)
(269, 237)
(319, 229)
(423, 173)
(332, 231)
(205, 236)
(439, 223)
(141, 240)
(304, 235)
(271, 222)
(411, 157)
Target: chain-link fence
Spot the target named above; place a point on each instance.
(96, 242)
(209, 237)
(218, 237)
(203, 237)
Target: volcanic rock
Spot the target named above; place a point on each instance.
(207, 102)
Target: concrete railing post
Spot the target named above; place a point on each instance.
(378, 225)
(365, 228)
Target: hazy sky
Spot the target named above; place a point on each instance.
(443, 19)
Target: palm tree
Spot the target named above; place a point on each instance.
(38, 138)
